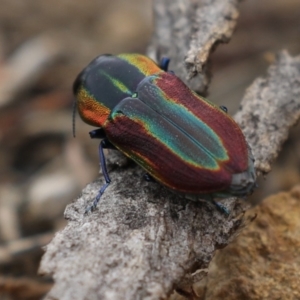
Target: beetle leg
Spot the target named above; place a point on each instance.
(224, 108)
(106, 144)
(164, 63)
(220, 207)
(97, 134)
(103, 144)
(100, 134)
(148, 177)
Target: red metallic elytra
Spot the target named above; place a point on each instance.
(180, 139)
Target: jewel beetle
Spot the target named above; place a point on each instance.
(180, 139)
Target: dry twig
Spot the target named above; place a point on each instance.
(188, 31)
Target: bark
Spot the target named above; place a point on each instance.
(270, 107)
(143, 241)
(188, 31)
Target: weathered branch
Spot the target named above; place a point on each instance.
(270, 107)
(188, 31)
(143, 241)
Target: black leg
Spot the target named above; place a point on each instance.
(164, 63)
(103, 144)
(220, 207)
(224, 108)
(148, 177)
(97, 134)
(100, 134)
(106, 144)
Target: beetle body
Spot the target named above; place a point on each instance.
(182, 140)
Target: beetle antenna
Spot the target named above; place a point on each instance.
(74, 117)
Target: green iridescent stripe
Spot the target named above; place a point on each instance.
(117, 83)
(187, 116)
(168, 136)
(167, 107)
(173, 143)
